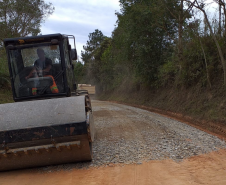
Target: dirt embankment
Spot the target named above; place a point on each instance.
(215, 128)
(200, 107)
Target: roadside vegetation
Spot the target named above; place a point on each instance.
(165, 54)
(5, 89)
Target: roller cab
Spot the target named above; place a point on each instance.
(45, 125)
(56, 72)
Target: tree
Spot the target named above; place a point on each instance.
(93, 43)
(102, 68)
(20, 18)
(194, 27)
(222, 5)
(148, 29)
(177, 9)
(201, 6)
(79, 72)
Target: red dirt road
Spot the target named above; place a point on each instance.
(208, 169)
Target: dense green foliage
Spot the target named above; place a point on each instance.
(79, 72)
(157, 44)
(19, 18)
(4, 74)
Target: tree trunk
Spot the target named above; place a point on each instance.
(207, 72)
(180, 35)
(218, 46)
(219, 29)
(224, 10)
(180, 31)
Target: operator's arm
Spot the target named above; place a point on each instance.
(31, 73)
(47, 69)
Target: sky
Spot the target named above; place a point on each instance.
(81, 17)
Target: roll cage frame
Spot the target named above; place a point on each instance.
(45, 40)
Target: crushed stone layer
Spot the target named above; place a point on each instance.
(129, 135)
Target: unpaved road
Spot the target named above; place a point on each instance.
(134, 146)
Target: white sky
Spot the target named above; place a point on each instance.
(81, 17)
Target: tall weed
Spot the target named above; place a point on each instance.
(4, 71)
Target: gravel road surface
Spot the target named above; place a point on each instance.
(128, 135)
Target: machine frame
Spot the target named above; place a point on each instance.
(45, 40)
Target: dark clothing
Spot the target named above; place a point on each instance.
(40, 65)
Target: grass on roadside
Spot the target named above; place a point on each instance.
(6, 96)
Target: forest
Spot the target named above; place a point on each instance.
(159, 43)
